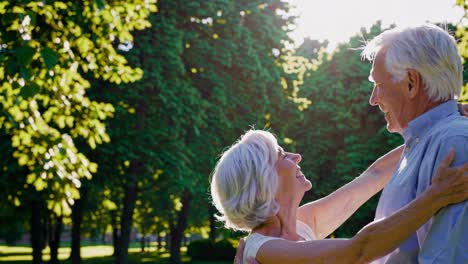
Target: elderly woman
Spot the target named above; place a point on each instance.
(257, 187)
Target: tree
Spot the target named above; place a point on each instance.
(13, 214)
(311, 48)
(211, 69)
(151, 119)
(237, 55)
(46, 49)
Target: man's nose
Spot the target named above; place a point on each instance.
(373, 97)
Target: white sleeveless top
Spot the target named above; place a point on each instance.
(254, 241)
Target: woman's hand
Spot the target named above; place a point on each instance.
(463, 108)
(450, 184)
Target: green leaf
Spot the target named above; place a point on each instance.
(50, 57)
(109, 205)
(29, 90)
(26, 73)
(25, 54)
(33, 17)
(31, 178)
(63, 151)
(12, 68)
(40, 184)
(9, 35)
(100, 4)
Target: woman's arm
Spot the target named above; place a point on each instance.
(380, 237)
(325, 215)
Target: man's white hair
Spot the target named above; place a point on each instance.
(244, 181)
(426, 48)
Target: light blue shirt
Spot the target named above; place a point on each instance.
(428, 139)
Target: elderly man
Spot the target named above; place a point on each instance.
(417, 75)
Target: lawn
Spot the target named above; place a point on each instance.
(92, 255)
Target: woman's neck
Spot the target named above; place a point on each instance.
(283, 224)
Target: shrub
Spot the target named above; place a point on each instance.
(206, 250)
(224, 250)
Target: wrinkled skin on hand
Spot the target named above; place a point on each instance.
(463, 109)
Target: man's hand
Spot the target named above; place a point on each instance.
(240, 253)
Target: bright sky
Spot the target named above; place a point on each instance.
(338, 20)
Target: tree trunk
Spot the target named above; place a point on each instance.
(115, 233)
(45, 228)
(36, 232)
(126, 220)
(142, 243)
(167, 239)
(159, 243)
(55, 230)
(103, 236)
(177, 231)
(77, 216)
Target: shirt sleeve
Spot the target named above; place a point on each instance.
(446, 240)
(305, 231)
(253, 244)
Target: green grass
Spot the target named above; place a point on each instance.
(92, 255)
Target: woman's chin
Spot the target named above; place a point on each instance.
(305, 188)
(307, 184)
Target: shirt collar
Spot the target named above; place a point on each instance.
(423, 123)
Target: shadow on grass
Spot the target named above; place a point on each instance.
(133, 258)
(10, 254)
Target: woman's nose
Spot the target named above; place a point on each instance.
(297, 157)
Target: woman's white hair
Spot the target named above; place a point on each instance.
(244, 181)
(429, 50)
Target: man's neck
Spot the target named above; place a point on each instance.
(420, 107)
(427, 106)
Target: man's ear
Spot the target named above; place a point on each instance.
(415, 83)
